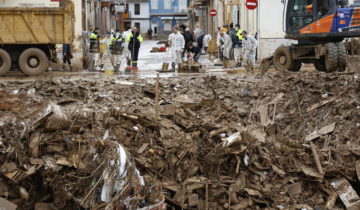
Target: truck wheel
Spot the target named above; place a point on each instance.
(342, 56)
(33, 61)
(5, 62)
(283, 60)
(331, 57)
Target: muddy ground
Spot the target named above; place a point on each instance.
(280, 141)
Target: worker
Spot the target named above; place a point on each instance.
(126, 46)
(200, 41)
(206, 41)
(225, 28)
(94, 49)
(249, 49)
(194, 52)
(237, 45)
(105, 52)
(232, 34)
(227, 44)
(134, 39)
(188, 38)
(149, 32)
(219, 43)
(67, 56)
(197, 32)
(116, 47)
(177, 44)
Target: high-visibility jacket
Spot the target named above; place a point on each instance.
(93, 36)
(116, 44)
(94, 43)
(134, 40)
(238, 33)
(237, 38)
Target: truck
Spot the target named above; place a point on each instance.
(29, 35)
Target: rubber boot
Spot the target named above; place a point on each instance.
(173, 66)
(128, 61)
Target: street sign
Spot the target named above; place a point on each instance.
(251, 4)
(212, 12)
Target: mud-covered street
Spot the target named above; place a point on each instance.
(280, 141)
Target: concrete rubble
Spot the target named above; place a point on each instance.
(285, 141)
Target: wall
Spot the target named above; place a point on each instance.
(143, 18)
(168, 6)
(144, 10)
(248, 18)
(33, 3)
(271, 34)
(144, 25)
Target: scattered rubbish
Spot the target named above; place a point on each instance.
(5, 204)
(215, 143)
(322, 131)
(346, 193)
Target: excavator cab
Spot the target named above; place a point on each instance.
(319, 26)
(318, 19)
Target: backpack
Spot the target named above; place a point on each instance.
(117, 46)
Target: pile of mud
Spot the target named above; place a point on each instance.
(284, 141)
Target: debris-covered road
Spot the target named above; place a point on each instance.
(284, 141)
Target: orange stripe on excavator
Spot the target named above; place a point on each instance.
(355, 20)
(320, 26)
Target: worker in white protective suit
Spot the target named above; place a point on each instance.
(227, 44)
(206, 41)
(127, 52)
(177, 43)
(250, 45)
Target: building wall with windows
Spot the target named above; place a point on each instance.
(165, 14)
(138, 14)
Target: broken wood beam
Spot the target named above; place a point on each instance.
(316, 158)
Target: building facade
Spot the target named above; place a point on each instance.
(138, 15)
(165, 14)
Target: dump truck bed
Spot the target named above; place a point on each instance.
(37, 25)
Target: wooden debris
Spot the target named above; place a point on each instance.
(346, 193)
(142, 148)
(316, 158)
(322, 103)
(295, 189)
(322, 131)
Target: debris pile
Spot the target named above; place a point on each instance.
(285, 141)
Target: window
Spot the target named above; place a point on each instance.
(167, 4)
(182, 5)
(137, 25)
(299, 14)
(154, 4)
(137, 9)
